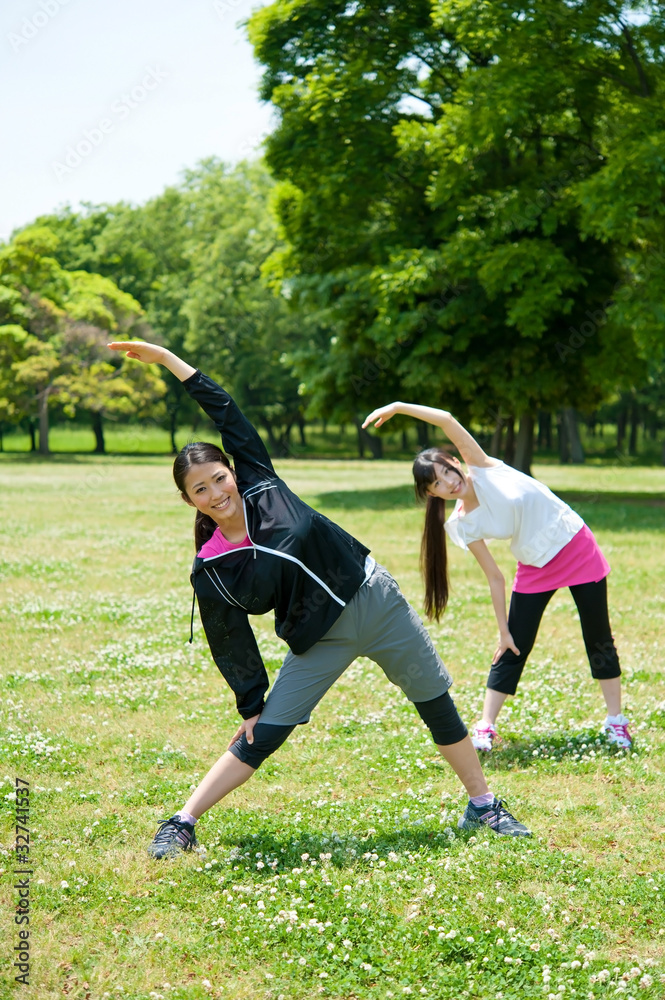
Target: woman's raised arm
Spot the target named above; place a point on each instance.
(154, 354)
(466, 444)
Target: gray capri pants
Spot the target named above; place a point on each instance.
(378, 623)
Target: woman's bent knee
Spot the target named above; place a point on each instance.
(441, 717)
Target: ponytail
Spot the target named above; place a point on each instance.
(434, 558)
(204, 527)
(433, 552)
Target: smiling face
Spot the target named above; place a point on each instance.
(448, 483)
(212, 489)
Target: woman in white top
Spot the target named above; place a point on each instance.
(552, 544)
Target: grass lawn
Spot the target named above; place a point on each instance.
(338, 871)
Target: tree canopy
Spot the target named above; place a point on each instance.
(450, 164)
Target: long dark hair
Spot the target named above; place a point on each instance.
(433, 553)
(198, 453)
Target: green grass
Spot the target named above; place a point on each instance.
(338, 870)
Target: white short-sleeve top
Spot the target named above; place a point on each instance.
(513, 505)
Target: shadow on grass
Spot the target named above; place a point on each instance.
(586, 746)
(287, 847)
(612, 511)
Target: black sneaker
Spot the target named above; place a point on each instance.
(173, 836)
(496, 816)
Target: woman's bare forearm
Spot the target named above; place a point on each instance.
(498, 591)
(177, 366)
(466, 444)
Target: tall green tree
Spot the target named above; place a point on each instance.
(437, 163)
(53, 323)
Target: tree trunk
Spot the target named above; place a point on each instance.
(361, 440)
(98, 431)
(173, 426)
(634, 425)
(2, 437)
(301, 431)
(495, 447)
(621, 427)
(524, 444)
(509, 446)
(422, 430)
(373, 441)
(573, 434)
(545, 430)
(564, 444)
(405, 440)
(42, 398)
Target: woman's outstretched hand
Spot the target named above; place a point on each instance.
(148, 353)
(380, 416)
(506, 641)
(246, 727)
(153, 354)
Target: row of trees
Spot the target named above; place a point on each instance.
(185, 269)
(461, 203)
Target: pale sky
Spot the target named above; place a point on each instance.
(104, 102)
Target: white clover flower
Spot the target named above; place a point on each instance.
(347, 944)
(64, 885)
(501, 924)
(302, 961)
(471, 940)
(646, 981)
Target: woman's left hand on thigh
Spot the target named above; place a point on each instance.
(246, 727)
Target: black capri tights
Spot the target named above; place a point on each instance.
(526, 611)
(440, 716)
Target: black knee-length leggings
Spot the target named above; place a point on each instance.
(526, 611)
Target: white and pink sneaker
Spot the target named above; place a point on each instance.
(615, 728)
(482, 735)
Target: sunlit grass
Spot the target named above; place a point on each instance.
(338, 870)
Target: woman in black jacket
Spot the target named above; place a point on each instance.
(260, 548)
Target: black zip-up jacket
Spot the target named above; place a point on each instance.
(300, 564)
